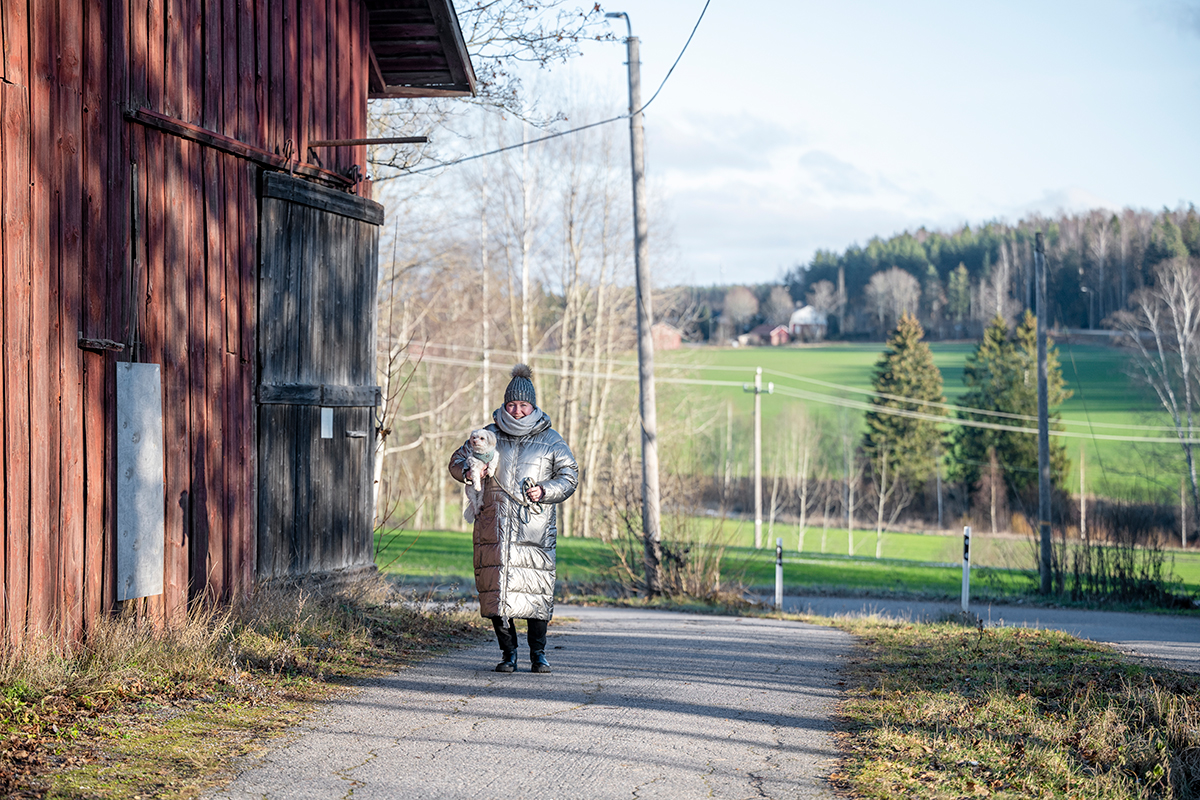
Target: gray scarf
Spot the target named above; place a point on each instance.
(517, 427)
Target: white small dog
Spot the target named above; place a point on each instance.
(481, 463)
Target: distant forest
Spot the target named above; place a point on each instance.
(956, 281)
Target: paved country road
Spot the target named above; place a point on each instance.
(1173, 640)
(641, 704)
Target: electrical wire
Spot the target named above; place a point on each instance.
(951, 407)
(843, 402)
(590, 125)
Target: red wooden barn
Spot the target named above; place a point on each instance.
(162, 202)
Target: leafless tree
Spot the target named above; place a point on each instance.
(498, 34)
(779, 306)
(1099, 238)
(823, 297)
(740, 306)
(890, 293)
(1163, 326)
(888, 491)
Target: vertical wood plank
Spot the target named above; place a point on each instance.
(96, 269)
(156, 20)
(15, 22)
(70, 120)
(182, 52)
(6, 305)
(175, 390)
(233, 366)
(246, 44)
(262, 68)
(197, 452)
(43, 588)
(229, 67)
(289, 80)
(320, 75)
(16, 275)
(118, 38)
(344, 102)
(205, 290)
(53, 333)
(249, 442)
(276, 133)
(231, 450)
(248, 278)
(358, 94)
(139, 55)
(304, 71)
(306, 502)
(332, 21)
(270, 467)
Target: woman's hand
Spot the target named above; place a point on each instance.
(535, 493)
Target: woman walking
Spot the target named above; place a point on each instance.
(516, 527)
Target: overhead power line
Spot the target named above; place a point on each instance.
(832, 400)
(590, 125)
(951, 407)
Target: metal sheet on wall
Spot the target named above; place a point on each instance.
(140, 503)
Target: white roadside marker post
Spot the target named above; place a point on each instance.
(779, 574)
(966, 590)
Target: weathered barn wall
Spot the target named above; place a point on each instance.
(116, 230)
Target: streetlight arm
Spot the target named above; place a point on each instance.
(618, 15)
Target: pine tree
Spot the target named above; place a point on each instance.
(905, 370)
(958, 293)
(1002, 376)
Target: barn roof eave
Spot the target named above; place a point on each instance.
(417, 50)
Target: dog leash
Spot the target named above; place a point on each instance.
(529, 506)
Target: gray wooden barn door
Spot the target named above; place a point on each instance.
(316, 392)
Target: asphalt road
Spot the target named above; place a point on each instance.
(641, 704)
(1166, 639)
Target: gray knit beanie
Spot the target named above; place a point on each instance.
(521, 387)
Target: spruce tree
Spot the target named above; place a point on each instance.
(958, 293)
(1002, 376)
(905, 370)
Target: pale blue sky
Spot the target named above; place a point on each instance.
(797, 125)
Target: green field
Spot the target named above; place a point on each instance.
(1097, 374)
(912, 564)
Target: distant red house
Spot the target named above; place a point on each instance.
(766, 334)
(666, 336)
(152, 156)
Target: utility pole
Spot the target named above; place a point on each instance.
(483, 258)
(1043, 399)
(1082, 498)
(651, 511)
(758, 392)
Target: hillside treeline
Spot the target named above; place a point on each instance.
(955, 282)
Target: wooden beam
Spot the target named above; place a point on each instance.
(384, 140)
(417, 91)
(455, 47)
(226, 144)
(318, 197)
(377, 83)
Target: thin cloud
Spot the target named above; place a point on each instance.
(836, 176)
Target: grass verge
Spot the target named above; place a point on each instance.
(140, 711)
(945, 710)
(586, 567)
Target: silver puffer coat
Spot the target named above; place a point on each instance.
(514, 544)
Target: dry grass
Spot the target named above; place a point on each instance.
(132, 710)
(946, 710)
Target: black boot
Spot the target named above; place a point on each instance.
(538, 659)
(509, 664)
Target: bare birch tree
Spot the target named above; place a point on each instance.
(1163, 326)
